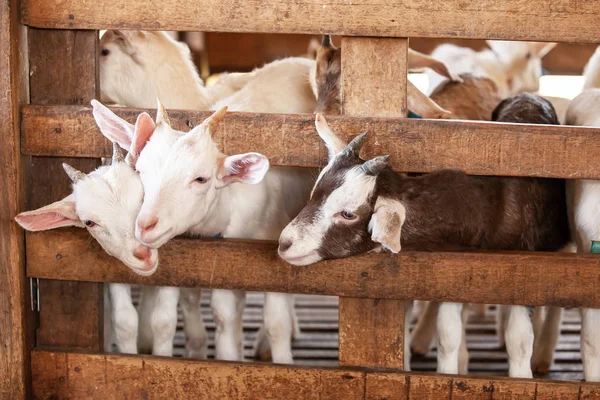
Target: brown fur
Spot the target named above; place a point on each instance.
(328, 78)
(449, 210)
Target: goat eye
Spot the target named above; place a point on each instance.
(201, 179)
(348, 215)
(105, 52)
(528, 56)
(89, 223)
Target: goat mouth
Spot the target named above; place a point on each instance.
(158, 241)
(307, 259)
(146, 271)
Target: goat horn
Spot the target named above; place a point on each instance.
(375, 165)
(161, 113)
(73, 173)
(213, 121)
(326, 42)
(356, 144)
(117, 153)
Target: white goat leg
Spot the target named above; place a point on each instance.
(502, 312)
(545, 343)
(145, 309)
(449, 329)
(463, 352)
(590, 344)
(279, 326)
(125, 318)
(423, 335)
(227, 307)
(196, 337)
(408, 307)
(519, 342)
(164, 321)
(109, 334)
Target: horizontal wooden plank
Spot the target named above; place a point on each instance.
(474, 277)
(510, 19)
(482, 148)
(96, 376)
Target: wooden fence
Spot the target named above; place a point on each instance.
(48, 75)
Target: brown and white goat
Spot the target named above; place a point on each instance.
(359, 206)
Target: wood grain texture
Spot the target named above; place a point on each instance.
(63, 71)
(526, 278)
(557, 391)
(93, 376)
(15, 314)
(371, 332)
(481, 148)
(511, 19)
(471, 389)
(374, 77)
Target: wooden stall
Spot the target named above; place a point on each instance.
(48, 75)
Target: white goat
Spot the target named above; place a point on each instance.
(584, 196)
(515, 67)
(191, 187)
(137, 67)
(106, 202)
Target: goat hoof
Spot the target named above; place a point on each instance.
(419, 349)
(542, 368)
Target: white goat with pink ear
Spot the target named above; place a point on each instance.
(106, 202)
(196, 336)
(136, 67)
(191, 187)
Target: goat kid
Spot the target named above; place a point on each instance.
(137, 67)
(583, 196)
(106, 202)
(191, 187)
(357, 206)
(514, 67)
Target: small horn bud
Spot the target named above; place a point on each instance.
(74, 174)
(353, 148)
(117, 153)
(375, 165)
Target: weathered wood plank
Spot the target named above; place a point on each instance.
(512, 19)
(111, 377)
(127, 376)
(510, 390)
(15, 315)
(63, 71)
(371, 332)
(481, 148)
(557, 391)
(527, 278)
(471, 389)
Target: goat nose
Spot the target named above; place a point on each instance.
(148, 224)
(142, 253)
(284, 245)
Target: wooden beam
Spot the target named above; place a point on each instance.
(63, 71)
(527, 278)
(95, 376)
(510, 20)
(16, 335)
(372, 331)
(480, 148)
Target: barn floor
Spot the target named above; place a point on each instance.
(318, 342)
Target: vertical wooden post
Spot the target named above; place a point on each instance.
(15, 314)
(373, 84)
(64, 71)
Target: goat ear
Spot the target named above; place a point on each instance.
(112, 127)
(144, 128)
(245, 168)
(542, 48)
(386, 223)
(55, 215)
(333, 143)
(421, 104)
(418, 60)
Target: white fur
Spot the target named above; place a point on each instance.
(591, 71)
(515, 67)
(583, 198)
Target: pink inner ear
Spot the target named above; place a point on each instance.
(44, 221)
(144, 128)
(248, 168)
(111, 126)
